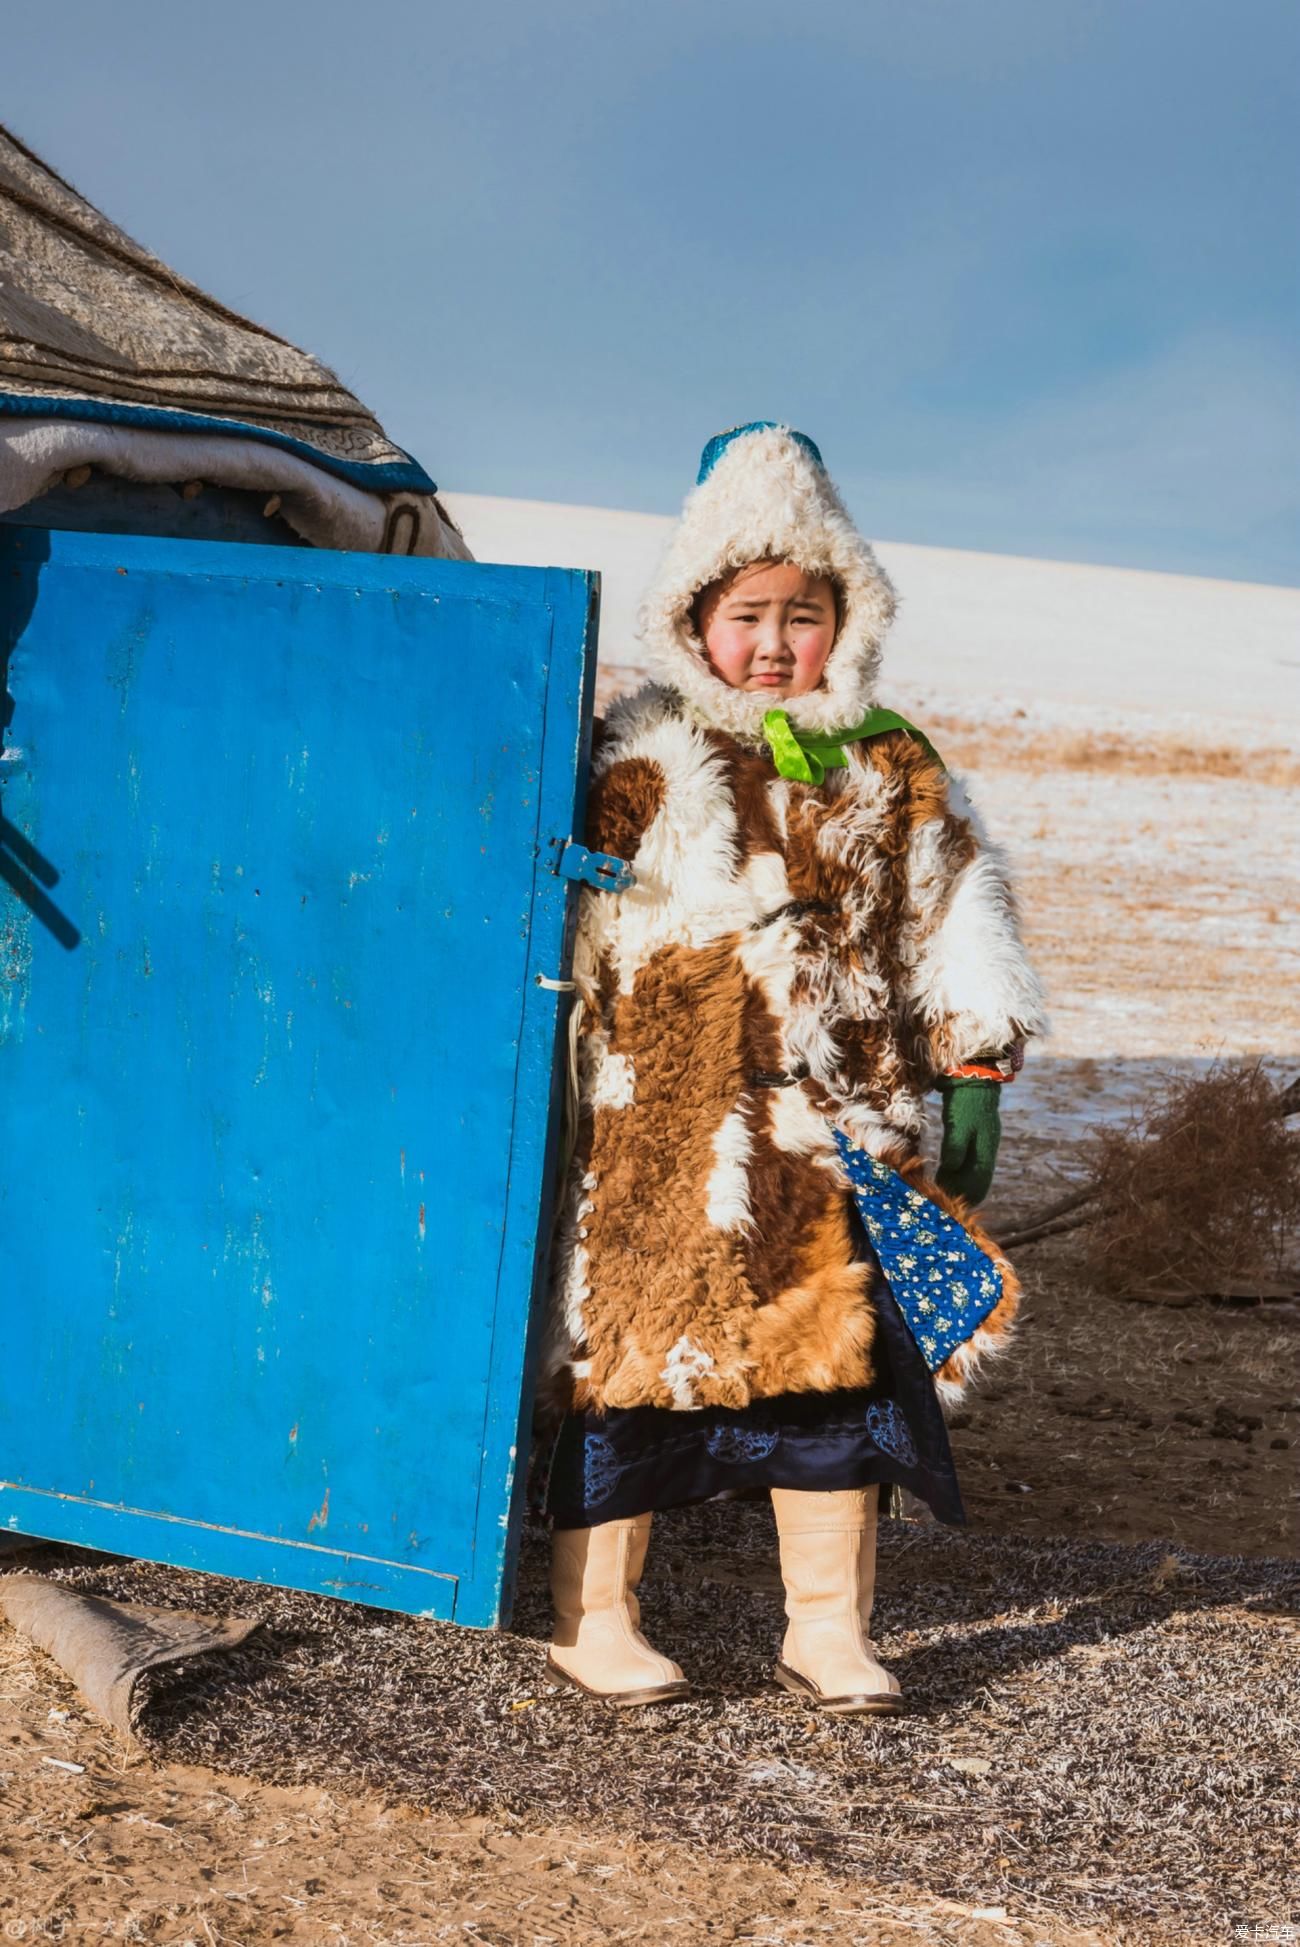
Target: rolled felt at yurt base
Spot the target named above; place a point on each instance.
(105, 1647)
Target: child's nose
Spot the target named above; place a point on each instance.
(774, 641)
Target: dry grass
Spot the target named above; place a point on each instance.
(1047, 749)
(1105, 1734)
(1200, 1193)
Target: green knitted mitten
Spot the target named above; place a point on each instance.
(972, 1129)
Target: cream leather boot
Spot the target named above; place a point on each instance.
(828, 1565)
(598, 1646)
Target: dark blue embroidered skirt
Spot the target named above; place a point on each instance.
(634, 1460)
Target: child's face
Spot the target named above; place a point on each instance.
(769, 627)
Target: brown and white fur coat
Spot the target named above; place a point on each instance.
(859, 933)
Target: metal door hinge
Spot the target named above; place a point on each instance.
(598, 869)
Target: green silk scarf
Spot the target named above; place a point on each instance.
(807, 755)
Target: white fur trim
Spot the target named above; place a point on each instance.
(768, 885)
(614, 1084)
(565, 1323)
(883, 1135)
(727, 1194)
(687, 889)
(768, 958)
(969, 1359)
(971, 976)
(768, 499)
(685, 1364)
(798, 1128)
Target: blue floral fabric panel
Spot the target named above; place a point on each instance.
(944, 1283)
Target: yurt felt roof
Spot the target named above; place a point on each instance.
(93, 327)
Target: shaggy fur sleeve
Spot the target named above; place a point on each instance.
(970, 978)
(621, 804)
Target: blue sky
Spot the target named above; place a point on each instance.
(1026, 269)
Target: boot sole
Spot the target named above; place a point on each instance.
(655, 1693)
(879, 1703)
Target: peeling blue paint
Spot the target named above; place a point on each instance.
(314, 1121)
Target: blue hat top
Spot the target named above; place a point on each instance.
(718, 445)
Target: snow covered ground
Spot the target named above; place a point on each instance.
(1077, 645)
(1132, 739)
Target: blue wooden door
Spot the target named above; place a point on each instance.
(278, 1068)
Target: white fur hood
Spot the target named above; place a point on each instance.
(763, 493)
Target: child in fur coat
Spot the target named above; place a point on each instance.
(754, 1285)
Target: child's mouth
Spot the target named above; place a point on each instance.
(770, 679)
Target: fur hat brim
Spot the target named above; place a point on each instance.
(767, 497)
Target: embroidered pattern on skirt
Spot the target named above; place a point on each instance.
(738, 1444)
(888, 1427)
(601, 1469)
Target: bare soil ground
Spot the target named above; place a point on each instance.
(1102, 1741)
(1127, 1420)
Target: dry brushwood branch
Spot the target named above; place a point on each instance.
(1045, 1222)
(1199, 1195)
(1202, 1194)
(1036, 1232)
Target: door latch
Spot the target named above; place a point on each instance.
(599, 869)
